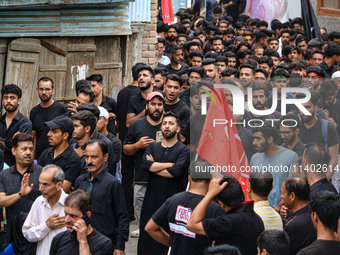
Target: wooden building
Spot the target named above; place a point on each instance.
(66, 40)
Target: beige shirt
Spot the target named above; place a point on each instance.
(35, 228)
(271, 219)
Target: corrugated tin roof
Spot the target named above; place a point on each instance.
(140, 11)
(65, 20)
(11, 3)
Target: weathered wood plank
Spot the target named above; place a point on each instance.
(25, 60)
(53, 68)
(111, 65)
(81, 47)
(53, 48)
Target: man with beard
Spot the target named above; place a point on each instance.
(136, 108)
(177, 66)
(167, 163)
(272, 158)
(289, 130)
(143, 132)
(47, 110)
(171, 35)
(61, 153)
(259, 98)
(247, 77)
(314, 129)
(209, 66)
(12, 121)
(19, 184)
(315, 75)
(173, 103)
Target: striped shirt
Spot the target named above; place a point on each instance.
(271, 219)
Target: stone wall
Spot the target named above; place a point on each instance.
(149, 42)
(331, 23)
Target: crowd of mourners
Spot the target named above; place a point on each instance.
(74, 176)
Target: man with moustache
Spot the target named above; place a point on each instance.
(141, 133)
(167, 163)
(290, 134)
(109, 213)
(259, 98)
(136, 108)
(46, 218)
(47, 110)
(12, 121)
(209, 65)
(61, 153)
(247, 73)
(86, 240)
(173, 103)
(272, 158)
(177, 66)
(171, 35)
(19, 184)
(312, 131)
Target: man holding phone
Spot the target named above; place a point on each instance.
(80, 237)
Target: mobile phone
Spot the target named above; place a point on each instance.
(87, 222)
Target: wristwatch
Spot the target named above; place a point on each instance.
(19, 194)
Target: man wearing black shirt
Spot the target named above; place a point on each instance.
(136, 108)
(141, 133)
(176, 211)
(47, 110)
(332, 58)
(167, 163)
(173, 103)
(102, 129)
(325, 216)
(316, 155)
(311, 131)
(19, 184)
(12, 121)
(86, 240)
(177, 66)
(61, 153)
(239, 225)
(100, 100)
(109, 214)
(289, 130)
(298, 225)
(127, 162)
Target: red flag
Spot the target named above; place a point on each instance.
(220, 143)
(167, 11)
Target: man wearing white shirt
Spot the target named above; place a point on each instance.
(47, 218)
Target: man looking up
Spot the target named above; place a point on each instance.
(47, 110)
(47, 218)
(109, 213)
(136, 108)
(100, 100)
(88, 240)
(61, 153)
(12, 121)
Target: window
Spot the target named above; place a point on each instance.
(329, 7)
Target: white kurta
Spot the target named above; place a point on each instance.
(35, 229)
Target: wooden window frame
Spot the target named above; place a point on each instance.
(322, 11)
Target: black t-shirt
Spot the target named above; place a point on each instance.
(182, 111)
(111, 106)
(300, 229)
(117, 146)
(65, 244)
(194, 128)
(38, 117)
(122, 106)
(182, 70)
(68, 160)
(175, 213)
(139, 128)
(247, 141)
(256, 120)
(321, 247)
(321, 185)
(314, 134)
(240, 227)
